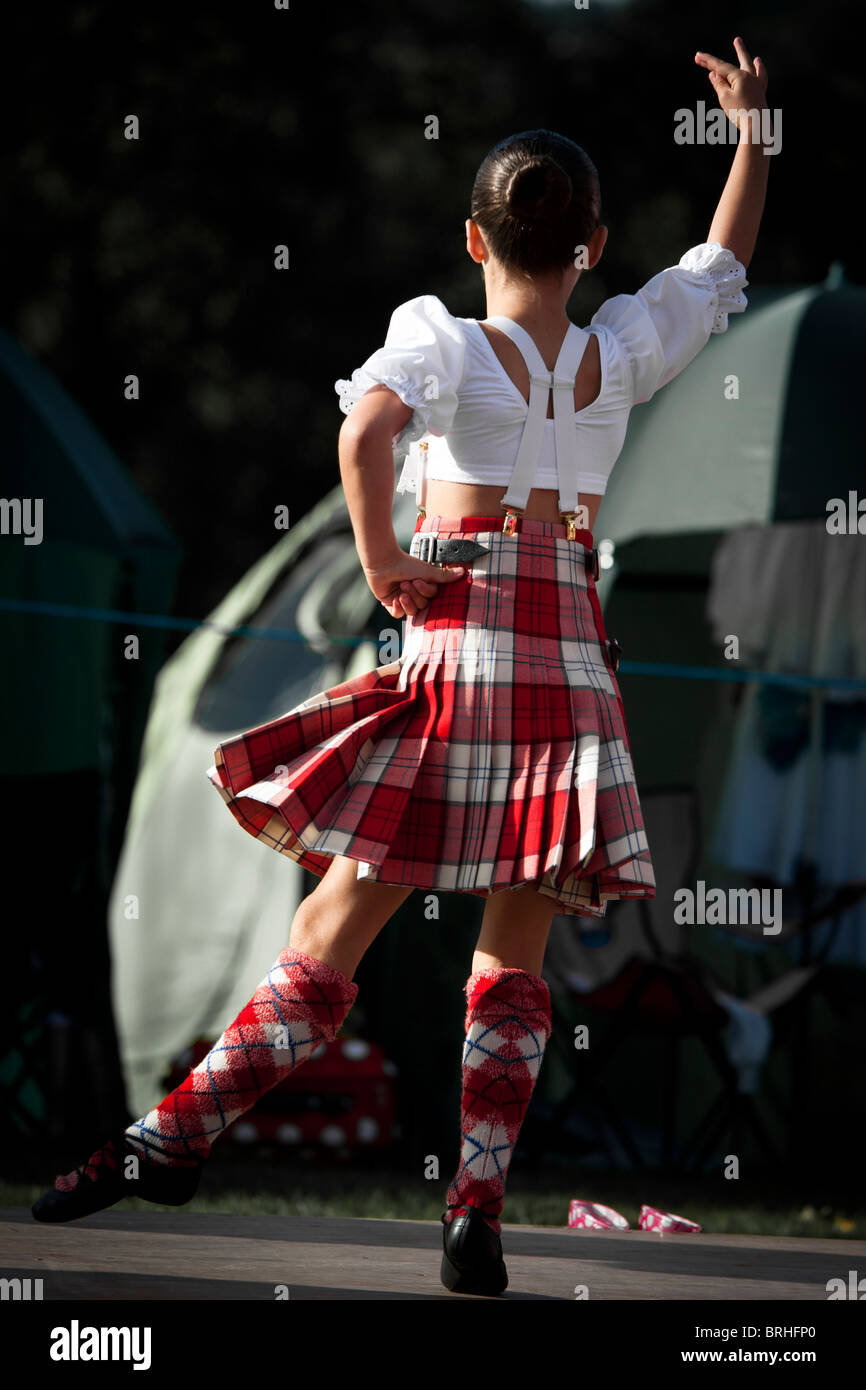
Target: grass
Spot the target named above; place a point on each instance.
(289, 1186)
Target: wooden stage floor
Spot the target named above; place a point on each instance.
(117, 1255)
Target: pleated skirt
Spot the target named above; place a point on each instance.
(492, 753)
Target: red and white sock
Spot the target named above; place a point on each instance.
(300, 1003)
(508, 1023)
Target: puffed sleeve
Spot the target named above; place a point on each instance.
(663, 327)
(422, 361)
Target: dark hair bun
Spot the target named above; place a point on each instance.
(539, 189)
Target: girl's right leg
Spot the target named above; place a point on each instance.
(303, 1001)
(508, 1023)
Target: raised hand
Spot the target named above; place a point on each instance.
(739, 89)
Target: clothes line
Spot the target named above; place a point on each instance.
(717, 673)
(626, 667)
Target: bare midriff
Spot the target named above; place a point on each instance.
(476, 499)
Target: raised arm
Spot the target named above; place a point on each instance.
(739, 90)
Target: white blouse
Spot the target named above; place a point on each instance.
(473, 415)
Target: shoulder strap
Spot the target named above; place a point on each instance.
(541, 381)
(519, 336)
(567, 461)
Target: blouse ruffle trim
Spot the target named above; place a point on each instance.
(351, 390)
(723, 274)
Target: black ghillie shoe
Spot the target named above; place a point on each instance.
(472, 1262)
(100, 1182)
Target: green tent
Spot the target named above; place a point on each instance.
(103, 546)
(763, 426)
(76, 532)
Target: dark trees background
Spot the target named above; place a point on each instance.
(306, 127)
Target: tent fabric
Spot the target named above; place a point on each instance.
(50, 441)
(698, 457)
(103, 545)
(72, 712)
(821, 448)
(53, 709)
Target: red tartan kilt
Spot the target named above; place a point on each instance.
(491, 753)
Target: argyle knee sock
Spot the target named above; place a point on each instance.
(508, 1022)
(300, 1003)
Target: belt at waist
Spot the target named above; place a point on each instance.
(428, 545)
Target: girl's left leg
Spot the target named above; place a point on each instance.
(302, 1001)
(508, 1023)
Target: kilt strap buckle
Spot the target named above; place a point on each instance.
(614, 652)
(509, 524)
(570, 519)
(441, 550)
